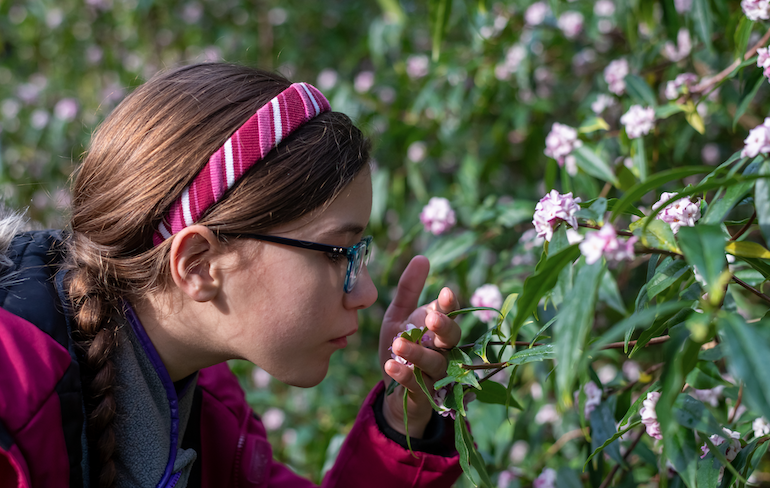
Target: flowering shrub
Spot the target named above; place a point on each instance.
(606, 164)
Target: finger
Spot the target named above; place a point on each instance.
(445, 330)
(447, 301)
(431, 362)
(405, 377)
(408, 291)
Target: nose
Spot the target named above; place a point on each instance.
(364, 293)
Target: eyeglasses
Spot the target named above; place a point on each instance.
(357, 255)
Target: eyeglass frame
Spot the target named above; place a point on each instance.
(351, 253)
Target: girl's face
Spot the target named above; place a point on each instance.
(286, 308)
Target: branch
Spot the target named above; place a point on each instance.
(737, 404)
(707, 83)
(751, 289)
(615, 468)
(745, 227)
(596, 227)
(647, 372)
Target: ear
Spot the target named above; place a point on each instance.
(193, 262)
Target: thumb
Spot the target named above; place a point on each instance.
(408, 291)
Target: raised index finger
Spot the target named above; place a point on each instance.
(408, 291)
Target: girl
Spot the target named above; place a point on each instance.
(219, 213)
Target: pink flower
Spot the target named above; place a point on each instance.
(710, 396)
(649, 417)
(535, 14)
(273, 419)
(505, 478)
(761, 427)
(732, 450)
(66, 109)
(606, 243)
(638, 121)
(560, 142)
(363, 81)
(687, 80)
(681, 50)
(602, 102)
(678, 213)
(615, 74)
(546, 479)
(487, 296)
(682, 6)
(417, 66)
(437, 216)
(604, 8)
(327, 79)
(593, 398)
(553, 208)
(756, 9)
(439, 396)
(425, 341)
(570, 23)
(758, 140)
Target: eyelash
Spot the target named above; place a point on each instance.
(334, 257)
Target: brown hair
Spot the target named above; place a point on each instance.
(138, 163)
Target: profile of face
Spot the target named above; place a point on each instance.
(284, 308)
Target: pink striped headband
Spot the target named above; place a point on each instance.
(251, 142)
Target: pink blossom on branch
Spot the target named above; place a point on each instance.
(682, 212)
(682, 48)
(560, 142)
(758, 140)
(437, 216)
(673, 88)
(756, 9)
(638, 121)
(571, 24)
(734, 446)
(649, 416)
(487, 296)
(605, 243)
(536, 13)
(546, 479)
(553, 208)
(615, 74)
(593, 398)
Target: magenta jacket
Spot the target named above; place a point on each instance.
(41, 419)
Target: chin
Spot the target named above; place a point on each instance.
(305, 379)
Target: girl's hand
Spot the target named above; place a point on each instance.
(443, 332)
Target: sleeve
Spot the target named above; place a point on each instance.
(235, 450)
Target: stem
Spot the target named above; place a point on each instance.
(615, 468)
(709, 82)
(612, 345)
(751, 289)
(745, 227)
(568, 436)
(648, 371)
(652, 250)
(596, 227)
(737, 404)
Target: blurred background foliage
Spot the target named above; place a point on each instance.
(467, 123)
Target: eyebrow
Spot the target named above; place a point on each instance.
(349, 228)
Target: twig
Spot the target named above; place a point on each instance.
(605, 190)
(745, 227)
(611, 345)
(568, 436)
(751, 289)
(647, 372)
(652, 250)
(737, 404)
(615, 468)
(709, 82)
(596, 227)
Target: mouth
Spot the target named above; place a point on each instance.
(342, 341)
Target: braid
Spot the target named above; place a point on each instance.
(96, 336)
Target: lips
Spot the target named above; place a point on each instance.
(342, 341)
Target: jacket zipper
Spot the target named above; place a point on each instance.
(238, 453)
(172, 483)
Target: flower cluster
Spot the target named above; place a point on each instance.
(682, 212)
(487, 296)
(570, 23)
(546, 479)
(437, 216)
(710, 396)
(560, 142)
(605, 243)
(602, 102)
(732, 450)
(425, 341)
(439, 396)
(593, 398)
(553, 208)
(536, 13)
(674, 87)
(615, 74)
(758, 141)
(761, 427)
(638, 121)
(682, 48)
(756, 9)
(649, 416)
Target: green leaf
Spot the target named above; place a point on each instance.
(609, 441)
(665, 276)
(680, 449)
(640, 159)
(762, 201)
(653, 182)
(747, 352)
(667, 110)
(515, 212)
(640, 91)
(741, 37)
(593, 124)
(536, 285)
(406, 423)
(508, 304)
(572, 326)
(641, 317)
(495, 393)
(684, 354)
(447, 249)
(705, 376)
(594, 165)
(701, 14)
(463, 449)
(609, 293)
(602, 429)
(659, 325)
(480, 346)
(421, 381)
(439, 19)
(756, 81)
(703, 247)
(747, 249)
(393, 10)
(738, 189)
(759, 265)
(657, 234)
(536, 353)
(692, 414)
(722, 459)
